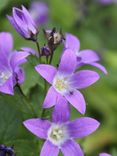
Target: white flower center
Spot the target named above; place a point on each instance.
(76, 52)
(61, 84)
(4, 76)
(58, 134)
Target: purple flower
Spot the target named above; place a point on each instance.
(39, 12)
(10, 71)
(107, 2)
(45, 51)
(22, 21)
(60, 133)
(65, 82)
(86, 56)
(104, 154)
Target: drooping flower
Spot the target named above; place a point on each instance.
(22, 21)
(65, 82)
(39, 12)
(60, 134)
(10, 70)
(104, 154)
(86, 56)
(4, 150)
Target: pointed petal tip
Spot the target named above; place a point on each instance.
(25, 123)
(36, 67)
(8, 17)
(83, 111)
(7, 92)
(96, 123)
(105, 72)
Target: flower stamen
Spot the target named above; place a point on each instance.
(58, 134)
(61, 84)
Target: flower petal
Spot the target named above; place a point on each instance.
(84, 78)
(28, 17)
(51, 98)
(6, 43)
(82, 127)
(38, 127)
(61, 112)
(7, 88)
(48, 72)
(17, 58)
(104, 154)
(19, 19)
(20, 75)
(30, 23)
(77, 100)
(18, 29)
(68, 62)
(88, 56)
(99, 66)
(72, 42)
(71, 148)
(49, 149)
(30, 50)
(39, 12)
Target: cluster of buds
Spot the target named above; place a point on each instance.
(6, 151)
(54, 38)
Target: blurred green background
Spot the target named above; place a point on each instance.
(96, 27)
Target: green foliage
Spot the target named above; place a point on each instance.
(3, 4)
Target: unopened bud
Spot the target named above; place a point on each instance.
(45, 51)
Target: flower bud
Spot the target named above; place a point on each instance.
(45, 51)
(54, 38)
(22, 21)
(6, 151)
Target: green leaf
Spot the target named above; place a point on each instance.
(31, 77)
(24, 147)
(12, 131)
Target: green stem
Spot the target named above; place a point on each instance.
(45, 91)
(39, 51)
(51, 57)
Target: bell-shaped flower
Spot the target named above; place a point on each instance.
(65, 82)
(60, 134)
(84, 57)
(10, 71)
(22, 21)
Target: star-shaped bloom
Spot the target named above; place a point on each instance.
(65, 82)
(10, 70)
(84, 57)
(104, 154)
(60, 134)
(22, 21)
